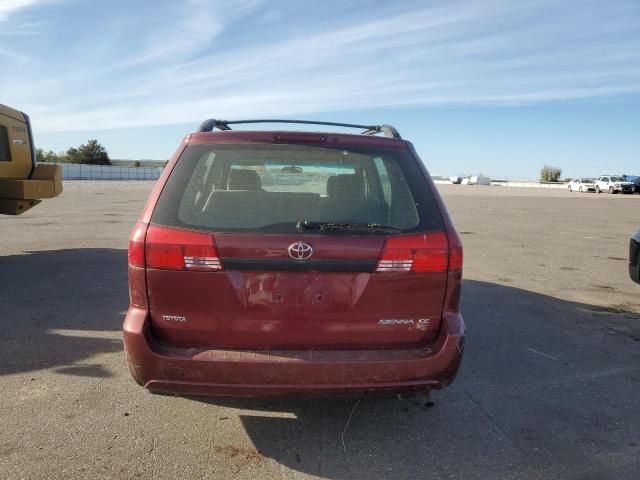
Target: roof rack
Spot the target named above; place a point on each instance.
(387, 130)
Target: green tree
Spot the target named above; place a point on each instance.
(137, 164)
(71, 156)
(550, 174)
(91, 153)
(48, 157)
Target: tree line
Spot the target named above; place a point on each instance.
(91, 153)
(550, 174)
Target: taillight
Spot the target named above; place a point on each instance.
(454, 282)
(423, 253)
(455, 251)
(136, 245)
(173, 249)
(455, 259)
(137, 279)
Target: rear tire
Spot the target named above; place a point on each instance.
(611, 190)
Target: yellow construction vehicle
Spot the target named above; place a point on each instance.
(23, 182)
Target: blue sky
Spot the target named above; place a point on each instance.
(493, 86)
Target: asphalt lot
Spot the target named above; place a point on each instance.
(549, 387)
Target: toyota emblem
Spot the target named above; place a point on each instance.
(300, 250)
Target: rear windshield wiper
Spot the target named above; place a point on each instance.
(303, 225)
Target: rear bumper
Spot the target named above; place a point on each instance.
(227, 372)
(19, 195)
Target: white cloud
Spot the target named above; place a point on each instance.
(14, 56)
(474, 52)
(20, 29)
(8, 7)
(189, 33)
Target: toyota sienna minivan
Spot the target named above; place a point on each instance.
(288, 262)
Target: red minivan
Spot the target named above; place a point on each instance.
(278, 262)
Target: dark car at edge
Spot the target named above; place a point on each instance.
(634, 257)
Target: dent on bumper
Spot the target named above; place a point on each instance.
(269, 372)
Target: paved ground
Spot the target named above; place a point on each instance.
(549, 387)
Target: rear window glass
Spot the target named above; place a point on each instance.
(270, 188)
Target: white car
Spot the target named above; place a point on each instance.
(613, 184)
(582, 185)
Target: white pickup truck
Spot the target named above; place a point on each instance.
(613, 184)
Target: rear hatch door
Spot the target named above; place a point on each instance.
(243, 278)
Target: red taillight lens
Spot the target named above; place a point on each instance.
(136, 245)
(454, 283)
(455, 251)
(137, 279)
(173, 249)
(423, 253)
(455, 259)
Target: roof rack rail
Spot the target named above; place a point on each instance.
(387, 130)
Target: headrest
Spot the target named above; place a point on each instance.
(345, 185)
(243, 180)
